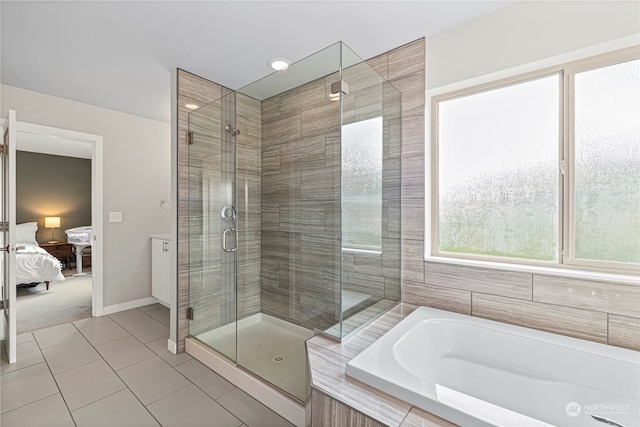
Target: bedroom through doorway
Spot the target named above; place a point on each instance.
(55, 212)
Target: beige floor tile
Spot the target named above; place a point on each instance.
(159, 347)
(88, 383)
(90, 321)
(69, 355)
(120, 409)
(160, 314)
(210, 382)
(104, 332)
(55, 335)
(201, 410)
(150, 307)
(25, 337)
(140, 325)
(124, 352)
(48, 412)
(25, 386)
(28, 354)
(152, 379)
(250, 411)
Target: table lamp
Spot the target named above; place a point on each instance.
(52, 222)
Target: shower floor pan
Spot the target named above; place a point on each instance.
(268, 347)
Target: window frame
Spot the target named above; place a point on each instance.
(565, 171)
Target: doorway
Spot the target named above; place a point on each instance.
(79, 295)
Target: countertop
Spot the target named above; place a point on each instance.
(162, 236)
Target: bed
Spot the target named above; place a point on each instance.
(34, 265)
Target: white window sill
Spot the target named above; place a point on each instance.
(627, 279)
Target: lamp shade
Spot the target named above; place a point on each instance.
(52, 221)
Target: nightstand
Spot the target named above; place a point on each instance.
(61, 250)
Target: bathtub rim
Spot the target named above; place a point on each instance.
(355, 370)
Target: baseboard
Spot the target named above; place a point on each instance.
(276, 401)
(128, 305)
(172, 346)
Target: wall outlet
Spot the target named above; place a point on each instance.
(115, 216)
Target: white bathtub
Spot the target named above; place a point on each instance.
(477, 372)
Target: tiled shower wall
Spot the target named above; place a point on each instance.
(300, 266)
(600, 311)
(301, 199)
(194, 272)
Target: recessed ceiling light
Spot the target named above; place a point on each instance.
(279, 64)
(191, 106)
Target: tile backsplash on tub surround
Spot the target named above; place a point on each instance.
(597, 311)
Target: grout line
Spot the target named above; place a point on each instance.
(56, 382)
(126, 386)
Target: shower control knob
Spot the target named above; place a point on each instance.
(228, 213)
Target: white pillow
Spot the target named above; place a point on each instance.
(26, 233)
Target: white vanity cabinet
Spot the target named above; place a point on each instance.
(160, 271)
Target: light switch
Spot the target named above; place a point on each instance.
(115, 216)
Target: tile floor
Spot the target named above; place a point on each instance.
(115, 371)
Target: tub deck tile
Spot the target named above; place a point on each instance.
(328, 362)
(328, 376)
(357, 342)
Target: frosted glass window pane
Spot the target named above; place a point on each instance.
(607, 163)
(362, 184)
(498, 173)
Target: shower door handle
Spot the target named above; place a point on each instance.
(224, 240)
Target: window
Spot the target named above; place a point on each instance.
(543, 170)
(362, 184)
(606, 169)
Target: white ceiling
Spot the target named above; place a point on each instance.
(119, 54)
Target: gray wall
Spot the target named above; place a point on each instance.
(48, 185)
(137, 173)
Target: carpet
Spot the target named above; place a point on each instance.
(65, 301)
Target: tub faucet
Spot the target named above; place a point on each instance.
(606, 421)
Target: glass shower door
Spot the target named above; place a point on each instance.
(213, 240)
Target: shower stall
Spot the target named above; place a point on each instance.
(294, 213)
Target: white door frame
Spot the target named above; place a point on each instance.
(97, 299)
(9, 258)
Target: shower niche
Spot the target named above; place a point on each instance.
(294, 191)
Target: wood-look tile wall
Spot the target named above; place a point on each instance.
(594, 310)
(195, 90)
(301, 224)
(300, 259)
(249, 185)
(598, 311)
(326, 411)
(200, 171)
(371, 96)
